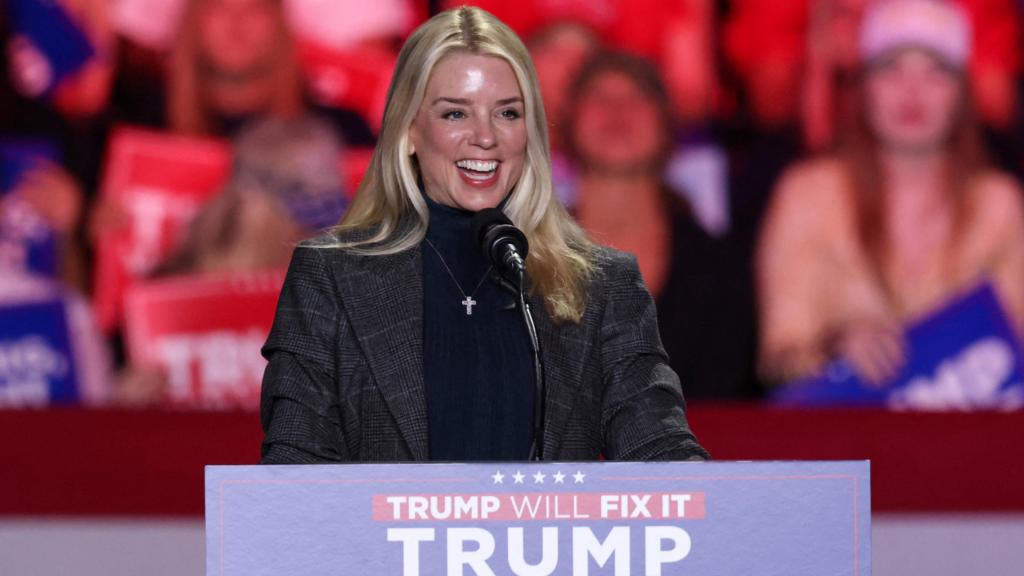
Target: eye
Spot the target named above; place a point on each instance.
(453, 115)
(510, 114)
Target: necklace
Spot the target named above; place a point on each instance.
(467, 301)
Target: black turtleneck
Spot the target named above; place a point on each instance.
(477, 368)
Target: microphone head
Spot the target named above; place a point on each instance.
(492, 229)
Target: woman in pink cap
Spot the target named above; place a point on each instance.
(904, 216)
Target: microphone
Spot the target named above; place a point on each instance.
(504, 245)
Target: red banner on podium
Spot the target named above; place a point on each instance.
(159, 181)
(205, 332)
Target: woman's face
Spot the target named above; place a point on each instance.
(911, 101)
(469, 135)
(618, 126)
(238, 37)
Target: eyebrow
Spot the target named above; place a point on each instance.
(467, 102)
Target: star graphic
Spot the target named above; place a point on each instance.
(559, 477)
(518, 477)
(578, 477)
(538, 478)
(499, 478)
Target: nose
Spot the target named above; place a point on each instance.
(483, 134)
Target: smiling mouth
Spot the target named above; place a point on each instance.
(478, 170)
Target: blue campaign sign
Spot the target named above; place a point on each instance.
(966, 356)
(46, 45)
(27, 243)
(722, 518)
(37, 364)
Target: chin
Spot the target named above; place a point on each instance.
(916, 145)
(477, 201)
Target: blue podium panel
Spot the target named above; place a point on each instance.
(715, 518)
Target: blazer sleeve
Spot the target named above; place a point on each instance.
(299, 407)
(643, 411)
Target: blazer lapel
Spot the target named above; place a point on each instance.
(561, 349)
(383, 298)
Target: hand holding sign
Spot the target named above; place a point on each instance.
(53, 193)
(963, 357)
(874, 348)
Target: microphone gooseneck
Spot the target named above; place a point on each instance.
(505, 246)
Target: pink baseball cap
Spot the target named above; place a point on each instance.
(937, 26)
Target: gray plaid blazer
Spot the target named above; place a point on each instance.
(344, 380)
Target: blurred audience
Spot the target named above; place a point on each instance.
(236, 60)
(54, 82)
(232, 60)
(558, 50)
(905, 214)
(285, 185)
(671, 124)
(993, 67)
(619, 130)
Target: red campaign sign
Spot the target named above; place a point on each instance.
(205, 332)
(159, 181)
(355, 79)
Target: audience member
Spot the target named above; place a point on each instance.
(285, 185)
(902, 217)
(620, 132)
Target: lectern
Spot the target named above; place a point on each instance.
(622, 518)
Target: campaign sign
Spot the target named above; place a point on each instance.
(27, 242)
(963, 357)
(158, 182)
(37, 364)
(205, 333)
(46, 45)
(622, 518)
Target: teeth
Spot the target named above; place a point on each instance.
(478, 165)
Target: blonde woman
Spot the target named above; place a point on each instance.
(391, 340)
(233, 60)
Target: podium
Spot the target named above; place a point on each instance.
(622, 518)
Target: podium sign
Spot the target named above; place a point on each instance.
(722, 518)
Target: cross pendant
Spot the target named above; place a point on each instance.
(469, 303)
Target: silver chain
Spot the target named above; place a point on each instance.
(468, 301)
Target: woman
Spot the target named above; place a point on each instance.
(620, 134)
(236, 60)
(233, 59)
(375, 356)
(903, 218)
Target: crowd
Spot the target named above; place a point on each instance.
(799, 181)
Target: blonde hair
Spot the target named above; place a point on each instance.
(390, 206)
(188, 102)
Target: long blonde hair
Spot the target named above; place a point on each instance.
(389, 205)
(188, 103)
